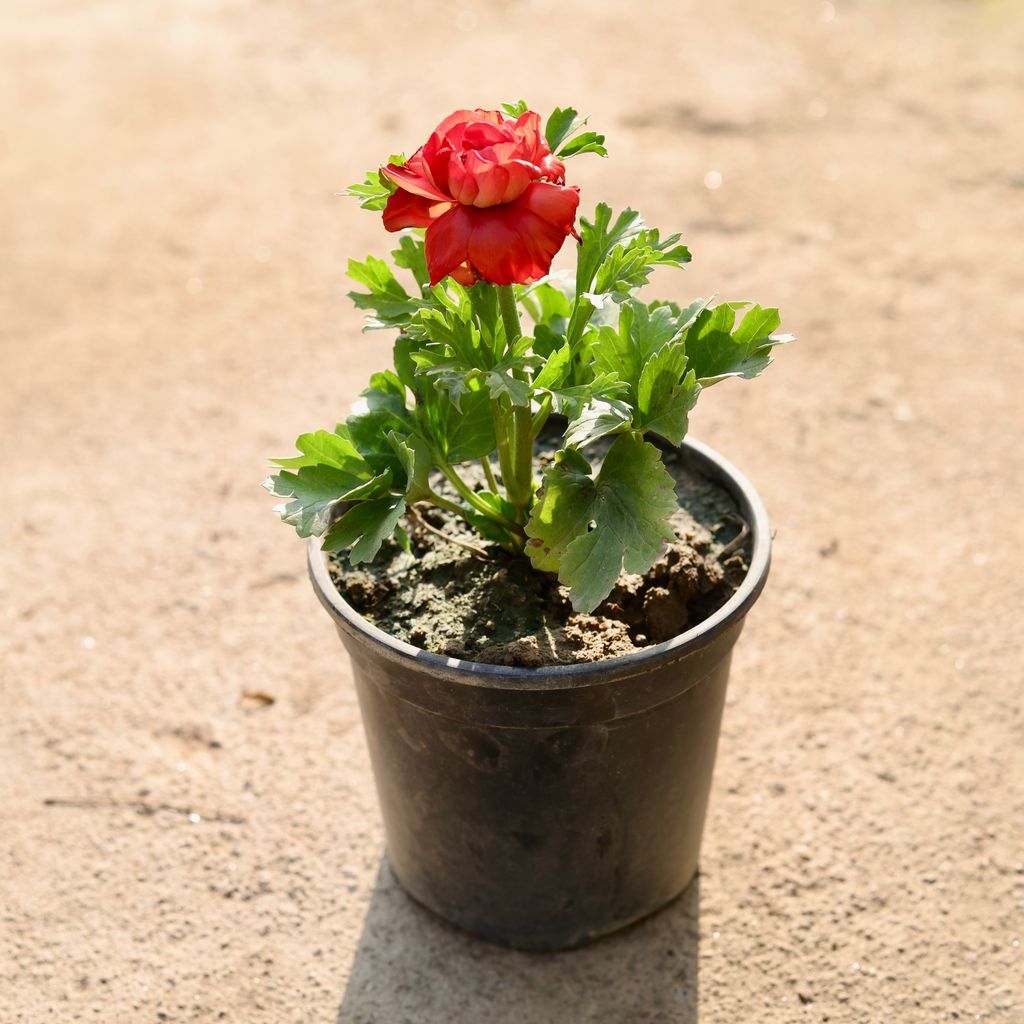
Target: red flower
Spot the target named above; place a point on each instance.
(490, 194)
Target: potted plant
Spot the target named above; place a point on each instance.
(545, 789)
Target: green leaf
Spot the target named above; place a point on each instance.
(374, 191)
(391, 303)
(458, 336)
(560, 125)
(471, 436)
(547, 305)
(588, 529)
(405, 365)
(413, 454)
(322, 448)
(486, 526)
(666, 394)
(379, 411)
(555, 370)
(365, 527)
(587, 142)
(641, 333)
(410, 255)
(629, 266)
(564, 123)
(595, 419)
(503, 383)
(599, 237)
(316, 490)
(457, 436)
(717, 350)
(515, 109)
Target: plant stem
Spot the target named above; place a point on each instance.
(523, 460)
(542, 416)
(475, 502)
(518, 474)
(509, 314)
(489, 474)
(504, 451)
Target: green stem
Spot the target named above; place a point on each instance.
(492, 484)
(542, 416)
(475, 502)
(509, 314)
(504, 452)
(523, 460)
(518, 475)
(515, 542)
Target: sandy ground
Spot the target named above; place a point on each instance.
(173, 312)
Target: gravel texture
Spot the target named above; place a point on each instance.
(176, 847)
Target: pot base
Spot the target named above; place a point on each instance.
(533, 944)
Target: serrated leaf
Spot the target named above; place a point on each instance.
(515, 109)
(629, 266)
(666, 394)
(560, 125)
(471, 436)
(364, 527)
(413, 454)
(595, 419)
(390, 302)
(316, 490)
(586, 142)
(589, 529)
(718, 349)
(641, 333)
(599, 237)
(321, 447)
(547, 305)
(373, 192)
(457, 436)
(555, 370)
(378, 411)
(410, 255)
(503, 383)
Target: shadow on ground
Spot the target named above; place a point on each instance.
(412, 967)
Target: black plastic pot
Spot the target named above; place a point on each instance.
(542, 808)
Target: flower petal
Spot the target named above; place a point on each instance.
(468, 117)
(413, 178)
(554, 203)
(406, 210)
(515, 243)
(447, 242)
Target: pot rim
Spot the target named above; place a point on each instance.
(554, 677)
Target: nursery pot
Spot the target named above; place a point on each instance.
(543, 807)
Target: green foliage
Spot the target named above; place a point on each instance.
(588, 529)
(390, 303)
(373, 192)
(364, 527)
(467, 384)
(515, 109)
(562, 125)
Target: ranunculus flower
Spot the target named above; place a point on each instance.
(490, 194)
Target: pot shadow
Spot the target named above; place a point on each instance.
(412, 966)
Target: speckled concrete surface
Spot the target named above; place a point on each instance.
(173, 313)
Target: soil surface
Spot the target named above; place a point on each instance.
(188, 825)
(497, 609)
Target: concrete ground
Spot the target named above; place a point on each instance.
(174, 847)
